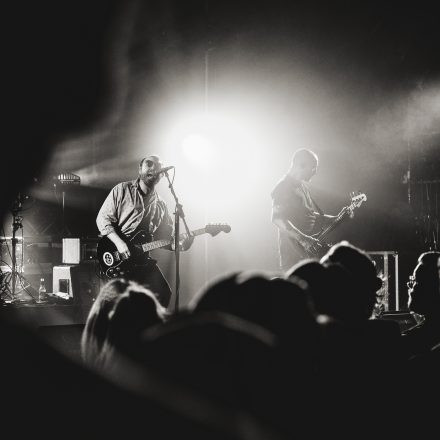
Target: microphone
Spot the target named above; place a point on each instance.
(163, 170)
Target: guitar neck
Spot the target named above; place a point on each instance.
(163, 243)
(338, 220)
(346, 211)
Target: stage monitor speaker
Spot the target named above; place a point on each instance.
(77, 282)
(64, 279)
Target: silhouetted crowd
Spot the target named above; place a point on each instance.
(304, 351)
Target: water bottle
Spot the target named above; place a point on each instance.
(42, 291)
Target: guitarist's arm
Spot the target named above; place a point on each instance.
(120, 244)
(107, 218)
(281, 198)
(166, 231)
(292, 231)
(325, 219)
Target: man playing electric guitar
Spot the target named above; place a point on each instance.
(133, 206)
(295, 213)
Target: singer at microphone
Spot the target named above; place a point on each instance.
(131, 209)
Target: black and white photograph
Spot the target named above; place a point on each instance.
(220, 219)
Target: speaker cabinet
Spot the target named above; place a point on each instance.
(64, 278)
(77, 282)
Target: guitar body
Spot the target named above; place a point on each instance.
(112, 264)
(320, 248)
(316, 251)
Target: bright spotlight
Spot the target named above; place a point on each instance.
(198, 149)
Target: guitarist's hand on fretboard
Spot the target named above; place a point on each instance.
(185, 244)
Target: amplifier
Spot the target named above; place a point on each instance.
(78, 282)
(76, 250)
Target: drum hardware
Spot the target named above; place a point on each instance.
(13, 283)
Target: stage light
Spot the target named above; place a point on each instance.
(198, 149)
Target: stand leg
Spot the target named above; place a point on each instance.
(17, 222)
(177, 258)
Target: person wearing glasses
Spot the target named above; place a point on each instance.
(424, 303)
(133, 206)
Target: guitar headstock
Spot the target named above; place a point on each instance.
(216, 228)
(356, 199)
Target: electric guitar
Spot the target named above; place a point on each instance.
(318, 249)
(113, 264)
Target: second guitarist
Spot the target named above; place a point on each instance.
(294, 211)
(134, 205)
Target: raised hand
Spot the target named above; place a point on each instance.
(351, 211)
(185, 243)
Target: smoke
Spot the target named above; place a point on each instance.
(406, 120)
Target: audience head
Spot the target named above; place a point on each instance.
(360, 273)
(424, 291)
(134, 310)
(281, 306)
(311, 271)
(331, 287)
(122, 310)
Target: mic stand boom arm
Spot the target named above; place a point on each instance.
(178, 214)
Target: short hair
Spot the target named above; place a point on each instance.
(355, 260)
(427, 265)
(429, 258)
(361, 267)
(154, 157)
(303, 154)
(424, 297)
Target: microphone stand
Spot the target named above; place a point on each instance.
(178, 214)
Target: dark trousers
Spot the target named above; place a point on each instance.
(151, 277)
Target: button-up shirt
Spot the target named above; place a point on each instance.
(126, 210)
